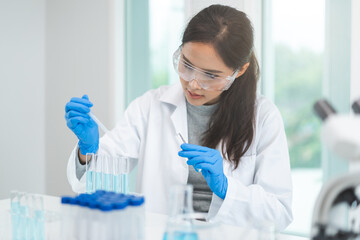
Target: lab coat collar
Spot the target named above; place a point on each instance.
(174, 96)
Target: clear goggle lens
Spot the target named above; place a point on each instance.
(206, 80)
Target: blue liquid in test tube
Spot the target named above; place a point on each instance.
(116, 183)
(107, 181)
(178, 235)
(23, 222)
(98, 181)
(39, 225)
(124, 183)
(15, 219)
(90, 172)
(90, 181)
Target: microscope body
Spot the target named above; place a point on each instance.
(341, 134)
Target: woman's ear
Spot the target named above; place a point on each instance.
(243, 69)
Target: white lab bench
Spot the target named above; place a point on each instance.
(154, 223)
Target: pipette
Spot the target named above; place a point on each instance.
(183, 141)
(105, 130)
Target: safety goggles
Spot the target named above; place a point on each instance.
(206, 80)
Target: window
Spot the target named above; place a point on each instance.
(166, 28)
(306, 56)
(296, 49)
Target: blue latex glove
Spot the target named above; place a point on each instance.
(78, 120)
(211, 164)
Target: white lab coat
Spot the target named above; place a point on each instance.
(260, 189)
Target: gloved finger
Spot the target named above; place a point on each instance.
(73, 122)
(83, 101)
(193, 147)
(191, 154)
(72, 113)
(205, 173)
(197, 160)
(197, 170)
(76, 107)
(205, 167)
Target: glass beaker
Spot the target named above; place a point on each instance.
(266, 230)
(185, 224)
(193, 226)
(180, 203)
(180, 200)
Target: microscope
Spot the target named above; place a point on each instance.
(341, 134)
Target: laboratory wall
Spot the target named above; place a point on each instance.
(51, 51)
(355, 50)
(22, 91)
(80, 59)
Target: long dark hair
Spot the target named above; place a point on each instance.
(231, 34)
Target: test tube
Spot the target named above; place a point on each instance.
(107, 176)
(30, 220)
(24, 214)
(69, 217)
(89, 173)
(182, 140)
(82, 222)
(125, 169)
(122, 218)
(102, 126)
(95, 220)
(98, 172)
(15, 213)
(39, 221)
(116, 174)
(137, 216)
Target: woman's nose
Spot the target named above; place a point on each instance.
(194, 83)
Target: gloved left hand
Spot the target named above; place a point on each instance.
(210, 162)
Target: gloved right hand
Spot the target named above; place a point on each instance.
(84, 127)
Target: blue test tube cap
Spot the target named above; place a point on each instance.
(116, 197)
(65, 199)
(73, 201)
(121, 204)
(94, 204)
(83, 195)
(100, 192)
(110, 193)
(77, 200)
(83, 203)
(120, 195)
(82, 200)
(103, 199)
(136, 201)
(106, 206)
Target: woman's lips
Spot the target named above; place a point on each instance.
(194, 95)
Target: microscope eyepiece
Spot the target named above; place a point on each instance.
(356, 106)
(323, 109)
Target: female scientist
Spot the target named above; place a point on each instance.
(235, 136)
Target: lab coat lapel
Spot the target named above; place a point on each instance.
(175, 97)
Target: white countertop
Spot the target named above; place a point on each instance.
(154, 224)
